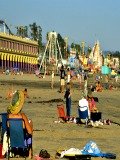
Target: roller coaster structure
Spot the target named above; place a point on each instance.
(5, 27)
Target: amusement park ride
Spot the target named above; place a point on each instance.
(52, 55)
(5, 27)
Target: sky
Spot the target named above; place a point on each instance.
(79, 20)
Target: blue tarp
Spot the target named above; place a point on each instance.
(92, 149)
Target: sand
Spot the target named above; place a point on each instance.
(54, 136)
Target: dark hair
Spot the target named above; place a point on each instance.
(44, 154)
(62, 67)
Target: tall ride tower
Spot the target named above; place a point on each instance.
(52, 54)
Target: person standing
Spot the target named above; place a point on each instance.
(79, 79)
(68, 75)
(116, 78)
(106, 82)
(52, 79)
(85, 85)
(62, 79)
(67, 96)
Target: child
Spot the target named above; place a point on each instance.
(25, 93)
(10, 93)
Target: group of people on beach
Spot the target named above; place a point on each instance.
(86, 103)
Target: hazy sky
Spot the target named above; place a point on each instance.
(79, 20)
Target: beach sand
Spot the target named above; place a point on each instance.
(41, 107)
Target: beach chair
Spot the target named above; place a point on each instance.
(62, 115)
(83, 115)
(16, 135)
(3, 123)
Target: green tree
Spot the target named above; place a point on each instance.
(26, 31)
(77, 48)
(62, 45)
(22, 31)
(72, 45)
(36, 33)
(89, 49)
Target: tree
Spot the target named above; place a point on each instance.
(72, 45)
(36, 33)
(62, 45)
(76, 47)
(89, 50)
(26, 31)
(22, 31)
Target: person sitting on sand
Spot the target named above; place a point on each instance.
(10, 93)
(43, 155)
(83, 107)
(14, 111)
(106, 85)
(92, 88)
(25, 93)
(99, 87)
(91, 103)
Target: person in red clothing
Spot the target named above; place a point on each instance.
(92, 104)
